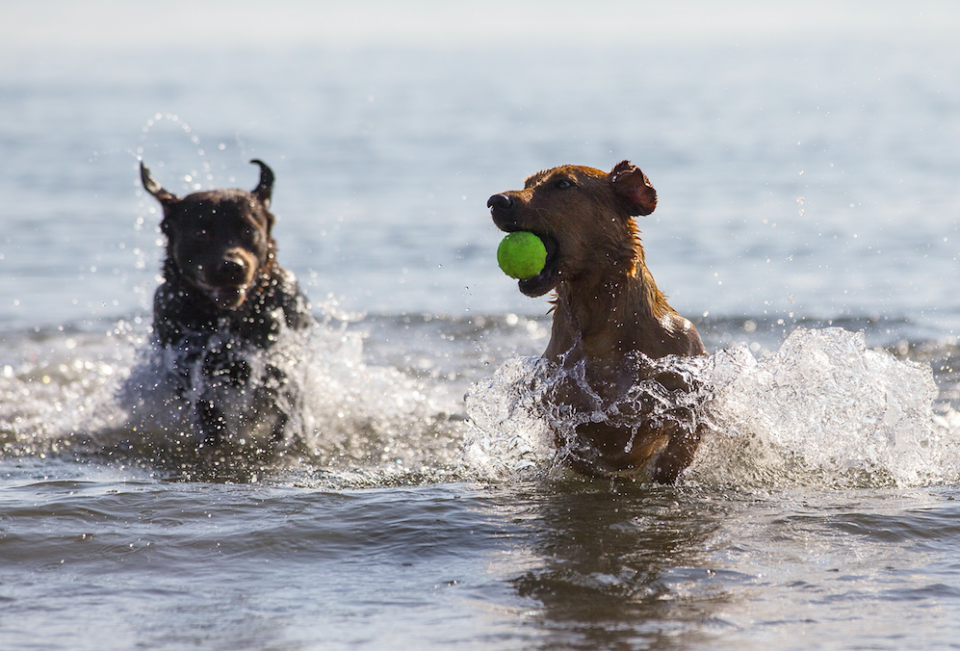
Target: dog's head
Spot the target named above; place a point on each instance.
(219, 241)
(584, 217)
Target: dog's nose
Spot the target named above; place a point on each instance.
(500, 202)
(233, 270)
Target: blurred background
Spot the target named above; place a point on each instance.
(805, 153)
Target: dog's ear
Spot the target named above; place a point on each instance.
(633, 187)
(150, 185)
(265, 188)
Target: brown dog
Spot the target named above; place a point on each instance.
(608, 315)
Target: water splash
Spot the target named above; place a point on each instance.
(823, 410)
(510, 435)
(350, 416)
(343, 413)
(518, 421)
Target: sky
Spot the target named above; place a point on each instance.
(122, 24)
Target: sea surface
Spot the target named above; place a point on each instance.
(809, 203)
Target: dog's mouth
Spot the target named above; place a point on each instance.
(549, 276)
(506, 218)
(226, 297)
(227, 281)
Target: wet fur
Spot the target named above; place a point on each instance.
(607, 313)
(223, 291)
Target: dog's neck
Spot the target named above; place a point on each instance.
(600, 317)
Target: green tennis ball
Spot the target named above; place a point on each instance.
(521, 255)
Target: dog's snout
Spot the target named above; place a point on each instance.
(500, 202)
(233, 270)
(232, 264)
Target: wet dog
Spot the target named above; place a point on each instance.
(224, 293)
(609, 318)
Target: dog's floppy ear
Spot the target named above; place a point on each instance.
(633, 187)
(265, 188)
(150, 185)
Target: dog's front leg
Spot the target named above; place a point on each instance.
(276, 400)
(211, 421)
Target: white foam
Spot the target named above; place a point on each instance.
(123, 398)
(823, 410)
(346, 413)
(509, 435)
(516, 420)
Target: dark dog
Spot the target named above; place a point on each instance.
(224, 292)
(608, 315)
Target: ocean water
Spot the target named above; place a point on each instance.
(807, 223)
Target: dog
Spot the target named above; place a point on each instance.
(609, 318)
(223, 293)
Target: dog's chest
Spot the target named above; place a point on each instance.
(180, 313)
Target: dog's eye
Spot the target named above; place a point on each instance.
(563, 184)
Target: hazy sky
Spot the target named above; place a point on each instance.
(56, 24)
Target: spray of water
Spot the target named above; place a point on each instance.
(823, 410)
(345, 416)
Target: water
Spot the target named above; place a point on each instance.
(807, 224)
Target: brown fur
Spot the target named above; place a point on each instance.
(606, 310)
